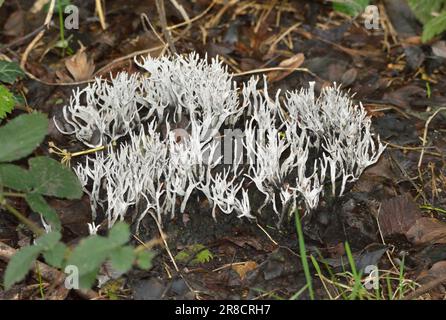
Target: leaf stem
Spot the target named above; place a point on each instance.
(30, 224)
(14, 194)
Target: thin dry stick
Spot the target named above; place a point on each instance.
(183, 13)
(426, 128)
(166, 32)
(145, 19)
(165, 241)
(267, 234)
(382, 237)
(101, 15)
(31, 45)
(201, 15)
(261, 70)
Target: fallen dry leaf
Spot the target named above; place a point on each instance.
(427, 230)
(14, 25)
(439, 49)
(398, 215)
(292, 63)
(244, 268)
(80, 67)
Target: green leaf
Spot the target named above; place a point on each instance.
(198, 252)
(87, 280)
(122, 258)
(203, 256)
(53, 179)
(90, 254)
(48, 240)
(7, 101)
(424, 10)
(10, 72)
(22, 135)
(38, 204)
(119, 234)
(144, 259)
(434, 27)
(352, 8)
(15, 177)
(55, 256)
(20, 264)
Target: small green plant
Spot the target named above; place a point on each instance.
(432, 13)
(351, 7)
(303, 257)
(350, 284)
(9, 73)
(194, 254)
(63, 43)
(47, 177)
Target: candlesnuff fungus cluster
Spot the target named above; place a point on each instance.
(186, 129)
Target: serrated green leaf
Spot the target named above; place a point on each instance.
(198, 252)
(434, 27)
(7, 101)
(20, 264)
(48, 240)
(39, 205)
(424, 10)
(119, 234)
(86, 281)
(55, 256)
(22, 135)
(10, 71)
(352, 8)
(122, 258)
(53, 179)
(203, 256)
(144, 259)
(15, 177)
(90, 254)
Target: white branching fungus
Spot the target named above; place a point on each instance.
(167, 128)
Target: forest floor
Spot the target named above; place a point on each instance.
(394, 217)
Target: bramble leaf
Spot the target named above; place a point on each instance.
(10, 71)
(7, 101)
(38, 204)
(22, 135)
(53, 179)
